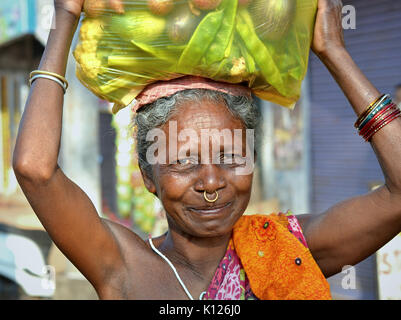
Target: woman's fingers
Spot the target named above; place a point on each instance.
(117, 6)
(328, 30)
(72, 6)
(95, 8)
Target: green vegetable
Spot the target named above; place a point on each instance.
(250, 62)
(139, 66)
(139, 25)
(259, 52)
(200, 41)
(159, 52)
(127, 61)
(217, 70)
(218, 49)
(222, 70)
(125, 81)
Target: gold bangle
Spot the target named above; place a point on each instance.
(368, 110)
(48, 73)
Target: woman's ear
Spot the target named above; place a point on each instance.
(149, 184)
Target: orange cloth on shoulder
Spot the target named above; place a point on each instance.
(277, 264)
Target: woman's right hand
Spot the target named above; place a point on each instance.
(73, 7)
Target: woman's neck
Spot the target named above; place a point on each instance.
(200, 255)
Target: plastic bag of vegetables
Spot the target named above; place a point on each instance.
(262, 43)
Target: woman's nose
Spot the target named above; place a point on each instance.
(210, 179)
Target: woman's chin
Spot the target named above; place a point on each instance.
(211, 232)
(213, 227)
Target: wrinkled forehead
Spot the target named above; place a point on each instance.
(206, 140)
(204, 115)
(205, 124)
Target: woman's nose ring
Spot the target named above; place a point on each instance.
(210, 200)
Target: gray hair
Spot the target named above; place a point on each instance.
(158, 113)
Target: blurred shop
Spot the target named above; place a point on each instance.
(23, 250)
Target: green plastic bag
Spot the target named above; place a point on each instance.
(264, 44)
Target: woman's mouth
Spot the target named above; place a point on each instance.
(211, 210)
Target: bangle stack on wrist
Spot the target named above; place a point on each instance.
(50, 76)
(378, 114)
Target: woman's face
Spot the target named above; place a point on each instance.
(203, 161)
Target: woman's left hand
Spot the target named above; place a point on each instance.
(353, 229)
(328, 34)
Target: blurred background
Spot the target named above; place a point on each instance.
(310, 158)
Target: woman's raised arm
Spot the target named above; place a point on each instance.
(354, 229)
(62, 207)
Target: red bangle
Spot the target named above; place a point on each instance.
(377, 120)
(380, 122)
(386, 117)
(382, 126)
(385, 122)
(372, 121)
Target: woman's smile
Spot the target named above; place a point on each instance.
(212, 210)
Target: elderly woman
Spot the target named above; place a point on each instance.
(210, 251)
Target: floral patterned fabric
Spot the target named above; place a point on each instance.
(230, 281)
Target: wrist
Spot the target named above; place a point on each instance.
(58, 44)
(333, 54)
(65, 20)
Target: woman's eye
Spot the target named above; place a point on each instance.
(229, 158)
(232, 159)
(187, 161)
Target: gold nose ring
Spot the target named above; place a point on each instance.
(210, 200)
